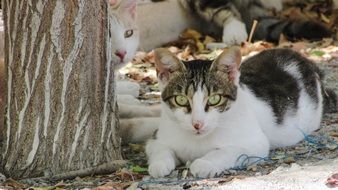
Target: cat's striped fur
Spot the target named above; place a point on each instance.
(225, 12)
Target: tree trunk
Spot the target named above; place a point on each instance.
(60, 84)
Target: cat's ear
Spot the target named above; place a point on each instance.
(113, 3)
(129, 6)
(166, 63)
(228, 62)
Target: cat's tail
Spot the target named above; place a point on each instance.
(271, 28)
(330, 101)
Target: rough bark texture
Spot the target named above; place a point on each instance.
(60, 84)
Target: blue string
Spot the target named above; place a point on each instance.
(245, 163)
(317, 141)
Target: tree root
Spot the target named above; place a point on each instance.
(102, 169)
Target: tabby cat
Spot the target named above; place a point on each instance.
(215, 111)
(236, 18)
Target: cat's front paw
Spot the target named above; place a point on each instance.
(160, 168)
(203, 168)
(234, 32)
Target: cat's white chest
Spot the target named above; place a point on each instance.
(189, 151)
(186, 148)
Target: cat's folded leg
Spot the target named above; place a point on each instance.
(234, 32)
(131, 111)
(138, 130)
(127, 99)
(218, 160)
(128, 87)
(162, 160)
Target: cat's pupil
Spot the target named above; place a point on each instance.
(128, 33)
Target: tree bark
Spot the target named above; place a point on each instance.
(61, 114)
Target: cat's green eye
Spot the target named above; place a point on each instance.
(128, 33)
(181, 100)
(214, 100)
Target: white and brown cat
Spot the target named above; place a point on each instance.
(215, 111)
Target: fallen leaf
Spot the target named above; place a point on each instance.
(289, 160)
(317, 53)
(252, 168)
(324, 18)
(190, 33)
(139, 169)
(127, 175)
(110, 186)
(12, 183)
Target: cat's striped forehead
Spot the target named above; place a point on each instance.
(197, 75)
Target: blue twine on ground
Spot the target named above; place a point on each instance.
(245, 163)
(311, 139)
(316, 140)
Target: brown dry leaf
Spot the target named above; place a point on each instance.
(247, 48)
(208, 39)
(150, 57)
(332, 181)
(333, 134)
(230, 178)
(252, 168)
(293, 13)
(140, 57)
(135, 76)
(61, 184)
(110, 186)
(174, 49)
(283, 39)
(297, 46)
(191, 34)
(126, 175)
(289, 160)
(186, 54)
(324, 18)
(326, 42)
(200, 46)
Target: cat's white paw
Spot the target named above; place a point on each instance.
(234, 32)
(161, 168)
(203, 168)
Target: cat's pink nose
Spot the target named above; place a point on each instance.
(198, 125)
(121, 54)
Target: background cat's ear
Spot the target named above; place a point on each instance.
(130, 7)
(113, 2)
(166, 63)
(228, 62)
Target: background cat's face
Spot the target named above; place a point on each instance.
(197, 93)
(124, 32)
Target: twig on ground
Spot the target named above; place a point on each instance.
(253, 29)
(102, 169)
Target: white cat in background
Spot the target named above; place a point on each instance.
(125, 37)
